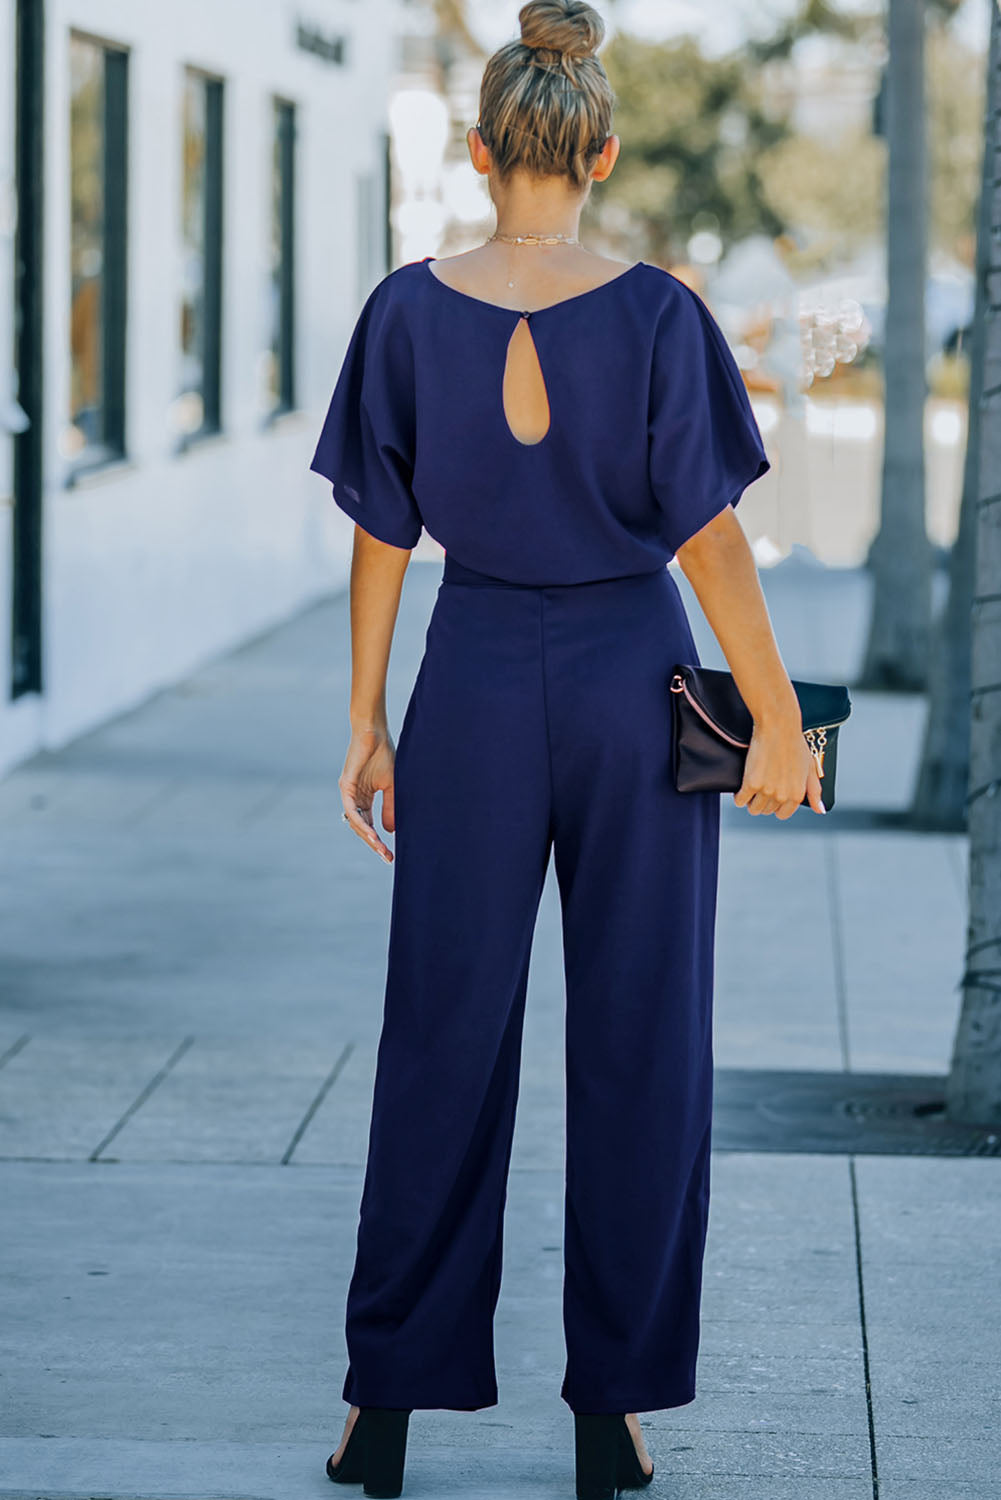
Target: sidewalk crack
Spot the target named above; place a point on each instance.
(141, 1098)
(856, 1223)
(325, 1088)
(14, 1049)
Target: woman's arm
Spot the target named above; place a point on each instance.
(377, 571)
(779, 770)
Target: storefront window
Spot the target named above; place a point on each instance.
(201, 234)
(98, 126)
(282, 251)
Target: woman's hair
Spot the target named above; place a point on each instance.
(545, 100)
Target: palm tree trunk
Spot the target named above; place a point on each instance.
(900, 556)
(974, 1087)
(940, 795)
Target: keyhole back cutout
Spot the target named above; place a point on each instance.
(526, 401)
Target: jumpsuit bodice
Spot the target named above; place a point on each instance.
(650, 435)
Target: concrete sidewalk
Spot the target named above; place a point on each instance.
(191, 972)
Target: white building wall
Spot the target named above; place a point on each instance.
(154, 565)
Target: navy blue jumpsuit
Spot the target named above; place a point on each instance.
(539, 721)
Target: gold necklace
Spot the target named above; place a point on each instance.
(534, 239)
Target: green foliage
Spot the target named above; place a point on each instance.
(693, 129)
(705, 143)
(835, 191)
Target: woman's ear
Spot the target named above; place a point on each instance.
(479, 153)
(606, 161)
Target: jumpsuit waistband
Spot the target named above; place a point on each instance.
(457, 572)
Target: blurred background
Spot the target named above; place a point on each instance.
(192, 209)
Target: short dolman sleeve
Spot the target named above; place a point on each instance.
(705, 447)
(367, 443)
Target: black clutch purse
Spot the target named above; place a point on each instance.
(712, 729)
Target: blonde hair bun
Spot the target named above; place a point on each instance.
(568, 27)
(545, 100)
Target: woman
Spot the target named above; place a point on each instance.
(563, 424)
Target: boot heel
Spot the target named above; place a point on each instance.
(385, 1451)
(597, 1453)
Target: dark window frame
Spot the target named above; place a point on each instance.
(112, 449)
(386, 174)
(27, 575)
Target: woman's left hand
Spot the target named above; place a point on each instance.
(368, 768)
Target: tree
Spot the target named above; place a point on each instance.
(940, 794)
(900, 556)
(973, 1091)
(695, 132)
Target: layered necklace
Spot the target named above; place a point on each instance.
(534, 239)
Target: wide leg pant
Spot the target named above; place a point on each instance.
(539, 721)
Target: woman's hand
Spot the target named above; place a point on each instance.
(368, 768)
(778, 772)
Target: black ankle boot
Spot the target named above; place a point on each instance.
(375, 1452)
(606, 1457)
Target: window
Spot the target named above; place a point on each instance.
(199, 406)
(373, 223)
(281, 388)
(98, 197)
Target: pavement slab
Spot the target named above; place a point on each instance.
(62, 1096)
(930, 1231)
(764, 887)
(901, 938)
(231, 1100)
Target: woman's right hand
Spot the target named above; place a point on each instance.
(368, 768)
(778, 772)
